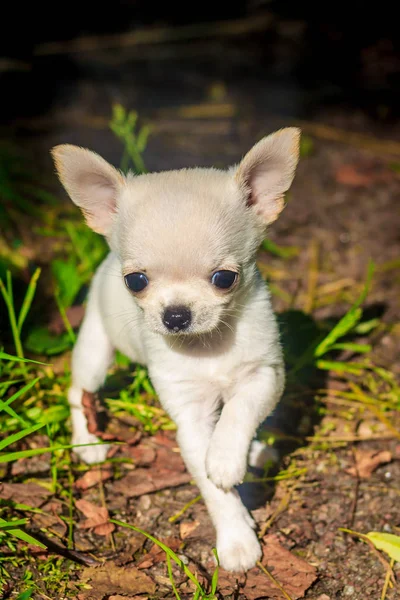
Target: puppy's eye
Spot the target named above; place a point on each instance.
(136, 282)
(224, 279)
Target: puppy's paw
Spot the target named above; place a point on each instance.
(90, 454)
(238, 547)
(225, 465)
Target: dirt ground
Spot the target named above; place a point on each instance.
(342, 211)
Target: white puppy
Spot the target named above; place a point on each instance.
(180, 293)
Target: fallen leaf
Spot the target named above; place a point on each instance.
(95, 413)
(97, 517)
(388, 542)
(169, 460)
(30, 494)
(143, 455)
(135, 543)
(157, 554)
(162, 438)
(294, 574)
(186, 528)
(145, 481)
(75, 316)
(93, 477)
(109, 579)
(362, 174)
(367, 461)
(118, 597)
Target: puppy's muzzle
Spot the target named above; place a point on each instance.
(177, 318)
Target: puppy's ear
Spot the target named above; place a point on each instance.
(91, 182)
(267, 171)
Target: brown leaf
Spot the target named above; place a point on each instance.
(97, 517)
(95, 413)
(143, 455)
(367, 461)
(108, 580)
(169, 460)
(363, 174)
(31, 494)
(186, 528)
(157, 554)
(144, 481)
(93, 477)
(351, 176)
(75, 316)
(118, 597)
(294, 574)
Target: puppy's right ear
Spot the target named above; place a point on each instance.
(91, 182)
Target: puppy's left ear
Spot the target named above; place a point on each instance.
(267, 172)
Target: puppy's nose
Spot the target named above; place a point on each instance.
(177, 318)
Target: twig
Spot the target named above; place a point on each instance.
(312, 277)
(282, 506)
(184, 509)
(351, 438)
(274, 581)
(353, 507)
(103, 503)
(159, 35)
(387, 579)
(359, 140)
(365, 539)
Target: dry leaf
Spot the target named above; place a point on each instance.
(294, 574)
(95, 413)
(30, 494)
(108, 580)
(97, 517)
(363, 174)
(186, 528)
(118, 597)
(169, 460)
(145, 481)
(157, 554)
(93, 477)
(367, 461)
(143, 455)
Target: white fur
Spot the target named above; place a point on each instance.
(220, 379)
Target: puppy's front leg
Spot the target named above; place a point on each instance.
(237, 544)
(249, 403)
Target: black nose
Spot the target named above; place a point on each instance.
(177, 318)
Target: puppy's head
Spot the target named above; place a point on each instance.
(186, 239)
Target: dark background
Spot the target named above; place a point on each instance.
(312, 60)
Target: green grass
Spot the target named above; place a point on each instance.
(33, 392)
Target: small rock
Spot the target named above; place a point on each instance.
(348, 590)
(145, 502)
(321, 597)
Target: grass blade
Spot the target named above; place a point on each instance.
(27, 302)
(5, 356)
(18, 436)
(4, 525)
(22, 535)
(10, 456)
(171, 578)
(167, 550)
(349, 321)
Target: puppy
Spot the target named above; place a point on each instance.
(180, 293)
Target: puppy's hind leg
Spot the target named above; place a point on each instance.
(91, 357)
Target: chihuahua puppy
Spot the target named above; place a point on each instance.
(180, 293)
